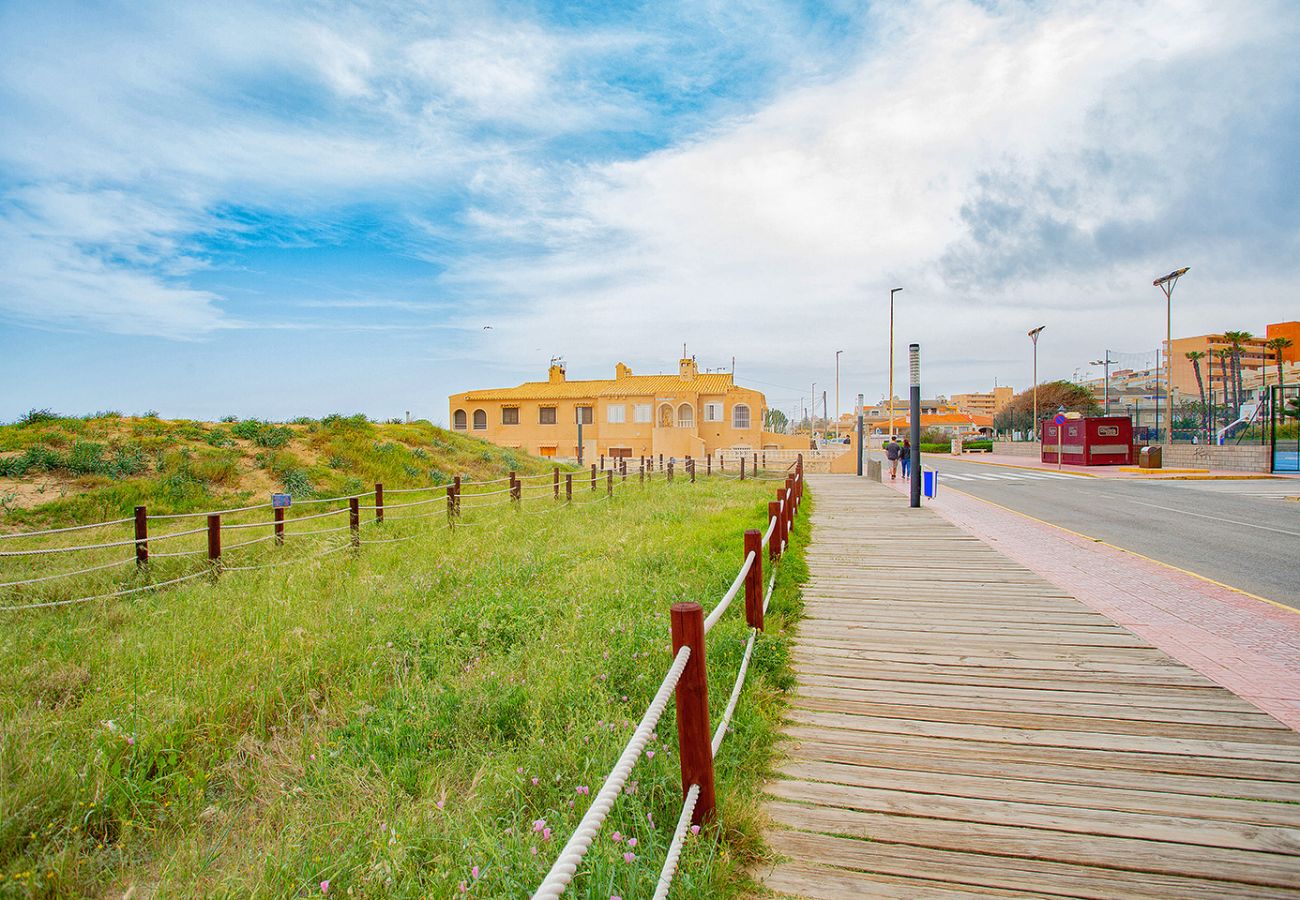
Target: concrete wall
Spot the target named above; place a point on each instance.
(1230, 457)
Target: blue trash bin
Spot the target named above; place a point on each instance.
(929, 482)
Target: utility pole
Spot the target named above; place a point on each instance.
(891, 361)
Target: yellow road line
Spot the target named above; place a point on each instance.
(1159, 562)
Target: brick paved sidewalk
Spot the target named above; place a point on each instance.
(1249, 646)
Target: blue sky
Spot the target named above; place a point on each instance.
(293, 209)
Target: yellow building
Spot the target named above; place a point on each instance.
(1255, 356)
(687, 414)
(984, 404)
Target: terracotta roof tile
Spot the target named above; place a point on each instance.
(631, 386)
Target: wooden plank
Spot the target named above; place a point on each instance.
(821, 883)
(1248, 867)
(1116, 799)
(991, 871)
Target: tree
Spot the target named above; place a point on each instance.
(1236, 340)
(775, 420)
(1195, 357)
(1018, 414)
(1277, 345)
(1224, 356)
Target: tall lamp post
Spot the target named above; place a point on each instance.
(812, 413)
(891, 361)
(1166, 285)
(1033, 336)
(837, 394)
(1105, 363)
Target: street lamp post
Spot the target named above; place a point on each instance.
(891, 361)
(1105, 363)
(1166, 285)
(837, 394)
(812, 412)
(1033, 336)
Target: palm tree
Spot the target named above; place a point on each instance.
(1224, 356)
(1277, 345)
(1195, 356)
(1237, 340)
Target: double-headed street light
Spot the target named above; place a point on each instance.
(1033, 336)
(1105, 363)
(1166, 284)
(891, 361)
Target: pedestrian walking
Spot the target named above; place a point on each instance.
(906, 456)
(892, 451)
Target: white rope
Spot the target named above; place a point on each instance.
(287, 520)
(288, 533)
(721, 608)
(768, 599)
(214, 512)
(771, 527)
(419, 490)
(132, 542)
(566, 865)
(147, 587)
(721, 731)
(675, 848)
(334, 499)
(153, 555)
(388, 506)
(23, 534)
(257, 540)
(120, 562)
(440, 513)
(399, 540)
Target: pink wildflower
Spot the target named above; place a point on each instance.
(618, 836)
(474, 871)
(695, 829)
(631, 842)
(539, 824)
(130, 740)
(325, 886)
(462, 887)
(439, 804)
(546, 834)
(629, 857)
(535, 782)
(649, 754)
(534, 849)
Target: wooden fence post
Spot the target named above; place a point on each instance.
(742, 468)
(451, 506)
(623, 467)
(516, 489)
(609, 483)
(764, 459)
(141, 537)
(214, 541)
(661, 462)
(694, 741)
(593, 476)
(456, 504)
(602, 462)
(642, 471)
(278, 515)
(691, 463)
(755, 465)
(774, 542)
(555, 481)
(708, 464)
(568, 487)
(670, 471)
(379, 502)
(354, 520)
(783, 501)
(754, 580)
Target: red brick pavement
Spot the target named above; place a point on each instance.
(1247, 645)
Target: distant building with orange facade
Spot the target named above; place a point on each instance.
(984, 404)
(686, 414)
(1256, 358)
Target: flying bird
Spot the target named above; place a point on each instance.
(487, 327)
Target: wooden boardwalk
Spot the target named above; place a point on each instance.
(963, 728)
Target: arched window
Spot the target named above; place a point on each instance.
(685, 416)
(665, 416)
(480, 420)
(459, 420)
(740, 416)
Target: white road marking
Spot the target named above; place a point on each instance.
(1186, 512)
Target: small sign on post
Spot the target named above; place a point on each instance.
(281, 501)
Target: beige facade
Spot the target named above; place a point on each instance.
(984, 404)
(687, 414)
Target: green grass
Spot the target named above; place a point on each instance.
(377, 719)
(83, 470)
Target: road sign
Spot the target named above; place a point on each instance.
(281, 501)
(1059, 419)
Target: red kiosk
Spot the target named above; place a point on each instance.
(1088, 441)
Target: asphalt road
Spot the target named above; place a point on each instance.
(1242, 533)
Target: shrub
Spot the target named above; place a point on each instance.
(86, 458)
(341, 422)
(228, 419)
(219, 437)
(296, 482)
(338, 462)
(217, 467)
(246, 429)
(273, 436)
(149, 414)
(302, 420)
(37, 416)
(353, 486)
(127, 460)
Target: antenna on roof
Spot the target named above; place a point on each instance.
(683, 349)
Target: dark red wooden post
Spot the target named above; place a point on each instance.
(661, 462)
(784, 502)
(214, 539)
(609, 483)
(691, 463)
(774, 542)
(602, 462)
(642, 471)
(141, 536)
(764, 459)
(694, 742)
(555, 481)
(754, 580)
(354, 520)
(670, 471)
(379, 502)
(708, 464)
(593, 476)
(451, 506)
(742, 468)
(568, 487)
(623, 467)
(278, 515)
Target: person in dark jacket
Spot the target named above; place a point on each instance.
(905, 455)
(892, 451)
